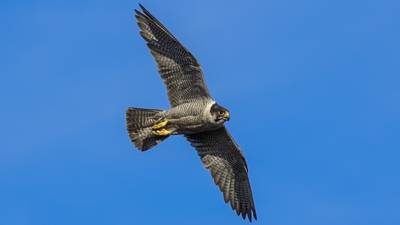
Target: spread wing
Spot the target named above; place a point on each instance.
(221, 155)
(178, 68)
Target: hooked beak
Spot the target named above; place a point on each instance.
(226, 116)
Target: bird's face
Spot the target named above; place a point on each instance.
(219, 114)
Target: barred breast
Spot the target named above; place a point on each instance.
(193, 117)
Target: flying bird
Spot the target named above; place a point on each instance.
(193, 113)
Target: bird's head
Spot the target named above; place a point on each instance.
(219, 113)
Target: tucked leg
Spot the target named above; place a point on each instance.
(163, 132)
(160, 124)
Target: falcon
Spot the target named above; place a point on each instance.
(193, 113)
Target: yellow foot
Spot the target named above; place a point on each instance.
(162, 132)
(160, 124)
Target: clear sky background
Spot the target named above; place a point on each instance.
(313, 88)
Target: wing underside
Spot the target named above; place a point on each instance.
(178, 68)
(221, 155)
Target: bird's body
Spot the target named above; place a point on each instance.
(191, 118)
(193, 113)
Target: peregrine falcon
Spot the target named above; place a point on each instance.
(193, 113)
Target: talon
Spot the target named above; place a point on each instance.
(162, 132)
(160, 124)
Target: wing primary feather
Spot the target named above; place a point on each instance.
(158, 23)
(228, 168)
(178, 68)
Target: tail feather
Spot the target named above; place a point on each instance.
(139, 123)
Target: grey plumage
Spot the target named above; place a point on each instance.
(221, 155)
(193, 113)
(178, 68)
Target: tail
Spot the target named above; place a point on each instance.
(139, 123)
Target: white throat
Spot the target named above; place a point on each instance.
(207, 111)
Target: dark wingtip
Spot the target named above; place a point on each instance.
(145, 11)
(254, 214)
(137, 12)
(141, 6)
(249, 214)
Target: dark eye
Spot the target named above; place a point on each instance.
(221, 112)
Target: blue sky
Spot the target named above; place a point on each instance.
(312, 86)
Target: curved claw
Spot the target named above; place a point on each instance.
(162, 132)
(160, 124)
